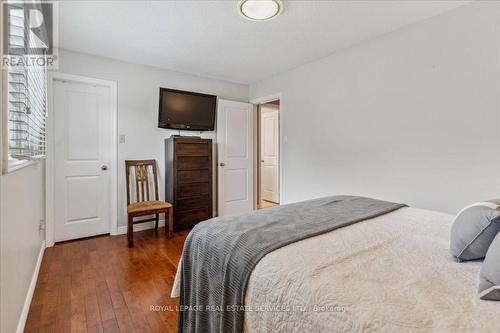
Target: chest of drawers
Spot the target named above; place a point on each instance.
(188, 179)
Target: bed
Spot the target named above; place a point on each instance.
(391, 273)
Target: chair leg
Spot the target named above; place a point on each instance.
(170, 223)
(157, 222)
(130, 231)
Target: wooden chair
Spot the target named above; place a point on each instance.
(138, 173)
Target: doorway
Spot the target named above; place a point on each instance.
(268, 154)
(81, 169)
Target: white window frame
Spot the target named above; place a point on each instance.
(12, 164)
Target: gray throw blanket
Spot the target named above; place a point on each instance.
(220, 254)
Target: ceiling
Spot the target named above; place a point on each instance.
(209, 38)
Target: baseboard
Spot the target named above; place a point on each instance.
(140, 227)
(31, 291)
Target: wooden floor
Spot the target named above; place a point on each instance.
(100, 285)
(267, 204)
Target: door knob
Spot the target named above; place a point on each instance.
(262, 161)
(104, 167)
(222, 164)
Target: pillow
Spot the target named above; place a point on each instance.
(474, 229)
(489, 276)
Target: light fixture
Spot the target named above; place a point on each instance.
(260, 10)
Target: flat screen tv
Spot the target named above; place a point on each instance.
(186, 110)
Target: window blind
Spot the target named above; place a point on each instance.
(27, 97)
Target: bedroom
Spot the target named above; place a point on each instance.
(397, 101)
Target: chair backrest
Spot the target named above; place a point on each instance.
(139, 174)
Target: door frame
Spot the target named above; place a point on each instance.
(256, 102)
(50, 162)
(259, 152)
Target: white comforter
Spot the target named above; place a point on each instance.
(392, 273)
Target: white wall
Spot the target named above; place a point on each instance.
(21, 209)
(138, 106)
(412, 116)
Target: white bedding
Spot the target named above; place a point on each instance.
(392, 273)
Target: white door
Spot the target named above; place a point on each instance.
(235, 157)
(269, 153)
(82, 156)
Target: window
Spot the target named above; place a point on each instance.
(25, 101)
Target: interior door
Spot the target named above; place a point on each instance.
(269, 153)
(235, 157)
(82, 156)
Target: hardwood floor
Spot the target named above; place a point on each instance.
(267, 204)
(101, 285)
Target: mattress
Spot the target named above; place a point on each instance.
(392, 273)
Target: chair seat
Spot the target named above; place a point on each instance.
(147, 206)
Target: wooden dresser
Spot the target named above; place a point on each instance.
(188, 179)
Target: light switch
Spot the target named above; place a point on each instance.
(122, 138)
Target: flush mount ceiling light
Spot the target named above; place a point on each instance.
(260, 10)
